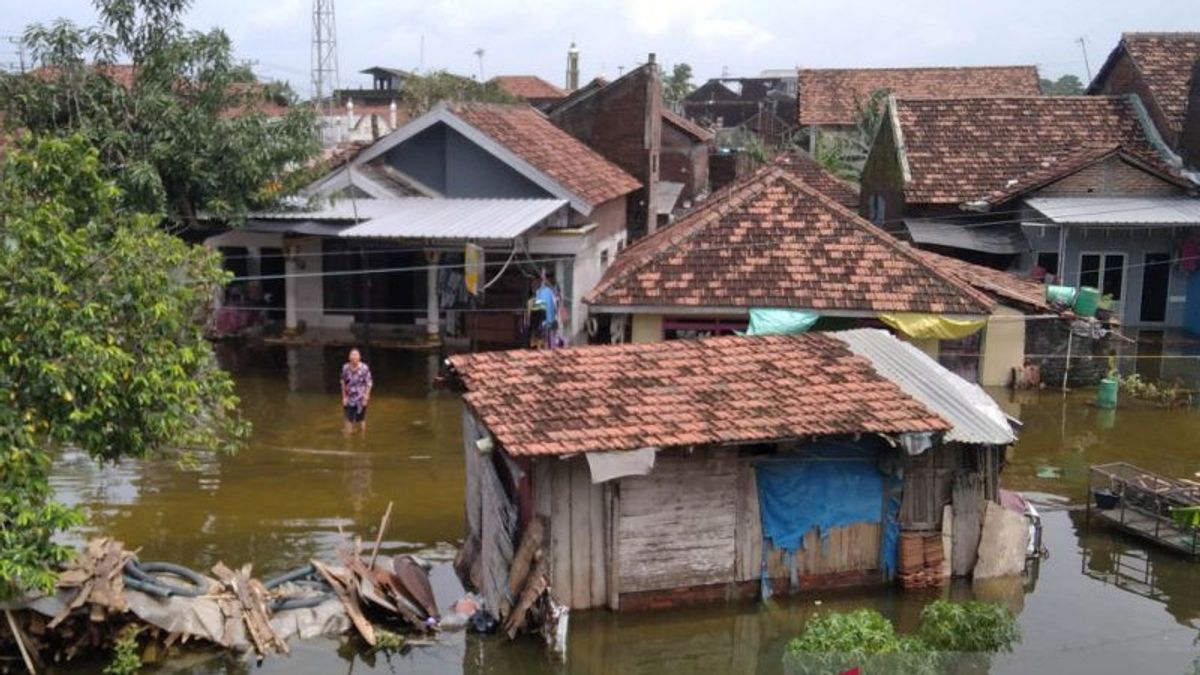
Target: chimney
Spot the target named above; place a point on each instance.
(572, 68)
(1189, 137)
(650, 58)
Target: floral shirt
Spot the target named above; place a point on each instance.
(357, 382)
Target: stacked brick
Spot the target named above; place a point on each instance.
(921, 560)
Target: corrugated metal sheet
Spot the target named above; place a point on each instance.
(1005, 238)
(973, 414)
(1174, 211)
(426, 218)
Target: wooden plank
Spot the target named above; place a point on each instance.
(749, 524)
(560, 529)
(471, 460)
(543, 487)
(598, 531)
(613, 493)
(967, 503)
(581, 540)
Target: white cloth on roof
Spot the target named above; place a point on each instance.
(606, 466)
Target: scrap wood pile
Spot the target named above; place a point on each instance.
(106, 591)
(922, 560)
(526, 603)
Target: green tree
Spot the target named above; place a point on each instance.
(678, 84)
(180, 125)
(421, 92)
(1067, 85)
(101, 342)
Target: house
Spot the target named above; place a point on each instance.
(830, 100)
(764, 106)
(773, 244)
(1160, 69)
(398, 219)
(705, 470)
(1080, 187)
(529, 88)
(626, 122)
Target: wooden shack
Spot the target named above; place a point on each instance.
(693, 470)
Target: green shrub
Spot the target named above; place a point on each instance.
(968, 627)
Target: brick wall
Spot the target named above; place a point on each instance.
(726, 167)
(684, 160)
(1046, 347)
(1113, 176)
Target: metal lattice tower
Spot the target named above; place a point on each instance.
(324, 55)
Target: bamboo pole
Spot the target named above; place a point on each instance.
(379, 537)
(20, 640)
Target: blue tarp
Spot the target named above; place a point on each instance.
(780, 321)
(794, 496)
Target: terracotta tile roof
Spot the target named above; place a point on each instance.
(803, 166)
(528, 87)
(970, 149)
(530, 135)
(686, 126)
(719, 390)
(773, 241)
(1005, 286)
(830, 96)
(1164, 61)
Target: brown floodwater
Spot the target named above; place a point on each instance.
(1101, 603)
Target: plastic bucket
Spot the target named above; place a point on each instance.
(1060, 295)
(1106, 396)
(1087, 302)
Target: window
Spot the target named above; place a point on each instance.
(1048, 260)
(1105, 271)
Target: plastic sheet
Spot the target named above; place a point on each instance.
(781, 321)
(933, 326)
(796, 496)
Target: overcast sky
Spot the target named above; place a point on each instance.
(741, 37)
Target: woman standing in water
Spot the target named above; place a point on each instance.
(356, 392)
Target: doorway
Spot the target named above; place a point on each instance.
(1156, 282)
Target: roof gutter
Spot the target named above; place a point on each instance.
(1147, 123)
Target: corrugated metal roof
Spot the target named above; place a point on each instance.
(1175, 211)
(425, 218)
(1000, 238)
(973, 414)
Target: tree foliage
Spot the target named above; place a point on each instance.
(180, 125)
(421, 92)
(843, 154)
(678, 84)
(1067, 85)
(101, 341)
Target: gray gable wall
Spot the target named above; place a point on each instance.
(452, 165)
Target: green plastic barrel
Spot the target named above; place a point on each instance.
(1087, 302)
(1060, 295)
(1106, 396)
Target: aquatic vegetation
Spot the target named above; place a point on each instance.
(1166, 394)
(125, 654)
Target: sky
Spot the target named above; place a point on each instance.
(740, 37)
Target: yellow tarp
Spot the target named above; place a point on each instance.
(932, 326)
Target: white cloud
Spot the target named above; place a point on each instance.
(751, 37)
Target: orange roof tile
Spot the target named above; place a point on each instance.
(993, 148)
(1003, 285)
(830, 96)
(528, 87)
(1164, 61)
(685, 125)
(773, 241)
(685, 392)
(530, 135)
(803, 166)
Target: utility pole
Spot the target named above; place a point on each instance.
(324, 56)
(1087, 66)
(479, 53)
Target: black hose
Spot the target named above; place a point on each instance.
(293, 575)
(302, 602)
(138, 577)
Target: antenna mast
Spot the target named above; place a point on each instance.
(324, 56)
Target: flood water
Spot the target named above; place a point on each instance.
(1101, 603)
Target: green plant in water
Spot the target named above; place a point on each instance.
(387, 641)
(968, 627)
(1160, 393)
(125, 659)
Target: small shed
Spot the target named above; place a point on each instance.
(693, 470)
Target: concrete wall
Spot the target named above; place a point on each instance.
(452, 165)
(1003, 347)
(1114, 177)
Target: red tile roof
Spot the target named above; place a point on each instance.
(686, 126)
(803, 166)
(1164, 61)
(830, 96)
(528, 134)
(528, 87)
(774, 241)
(1006, 286)
(686, 392)
(990, 149)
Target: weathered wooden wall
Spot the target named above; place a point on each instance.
(929, 479)
(577, 511)
(677, 526)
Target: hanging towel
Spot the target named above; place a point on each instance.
(932, 326)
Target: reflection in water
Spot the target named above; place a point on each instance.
(299, 484)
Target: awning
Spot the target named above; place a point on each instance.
(418, 218)
(1003, 238)
(1147, 211)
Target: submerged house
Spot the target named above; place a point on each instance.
(670, 473)
(397, 219)
(770, 247)
(1080, 188)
